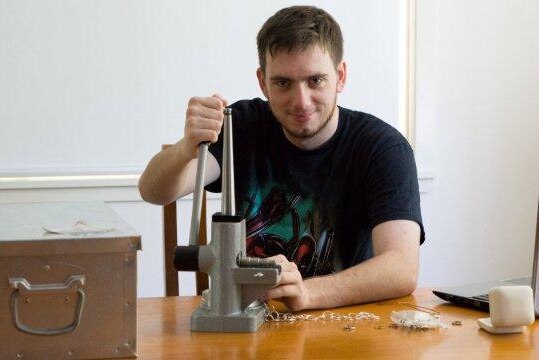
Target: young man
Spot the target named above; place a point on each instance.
(331, 194)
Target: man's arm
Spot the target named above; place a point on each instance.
(171, 173)
(390, 273)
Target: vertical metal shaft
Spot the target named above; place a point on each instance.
(197, 194)
(228, 200)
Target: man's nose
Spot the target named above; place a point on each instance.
(301, 95)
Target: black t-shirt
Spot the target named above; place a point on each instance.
(318, 207)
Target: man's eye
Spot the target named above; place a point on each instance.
(281, 83)
(316, 81)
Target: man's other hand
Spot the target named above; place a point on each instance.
(290, 290)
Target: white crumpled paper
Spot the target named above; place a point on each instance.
(80, 227)
(417, 319)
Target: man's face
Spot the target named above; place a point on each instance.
(302, 87)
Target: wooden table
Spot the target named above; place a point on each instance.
(163, 333)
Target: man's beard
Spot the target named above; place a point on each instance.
(306, 133)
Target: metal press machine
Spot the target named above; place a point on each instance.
(237, 282)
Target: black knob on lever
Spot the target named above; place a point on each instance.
(186, 258)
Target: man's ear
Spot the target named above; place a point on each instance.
(341, 76)
(262, 82)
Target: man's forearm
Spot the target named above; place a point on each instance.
(388, 275)
(164, 179)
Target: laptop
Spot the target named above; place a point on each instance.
(476, 295)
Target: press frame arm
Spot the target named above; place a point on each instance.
(198, 193)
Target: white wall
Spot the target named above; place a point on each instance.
(100, 85)
(478, 124)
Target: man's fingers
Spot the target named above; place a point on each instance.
(289, 266)
(284, 291)
(202, 135)
(210, 102)
(204, 124)
(290, 290)
(279, 259)
(290, 277)
(283, 261)
(204, 119)
(221, 97)
(200, 111)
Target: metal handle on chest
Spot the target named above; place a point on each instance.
(72, 284)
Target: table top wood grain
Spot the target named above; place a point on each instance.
(164, 333)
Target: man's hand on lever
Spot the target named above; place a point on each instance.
(171, 173)
(203, 122)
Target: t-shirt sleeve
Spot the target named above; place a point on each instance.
(393, 189)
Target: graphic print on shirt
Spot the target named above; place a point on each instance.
(278, 222)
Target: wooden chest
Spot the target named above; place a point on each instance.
(67, 295)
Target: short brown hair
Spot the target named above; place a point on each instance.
(297, 28)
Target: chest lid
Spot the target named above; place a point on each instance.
(23, 229)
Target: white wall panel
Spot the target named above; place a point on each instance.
(478, 70)
(100, 85)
